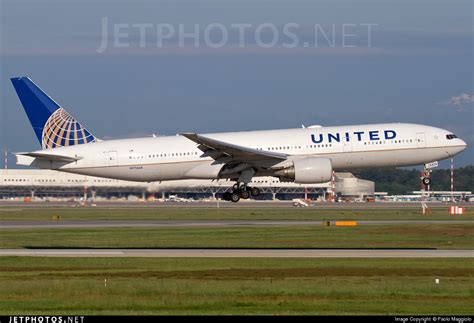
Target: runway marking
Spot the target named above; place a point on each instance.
(241, 253)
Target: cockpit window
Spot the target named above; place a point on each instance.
(451, 136)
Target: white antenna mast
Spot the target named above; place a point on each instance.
(5, 151)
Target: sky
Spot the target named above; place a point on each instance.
(137, 68)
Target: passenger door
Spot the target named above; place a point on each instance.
(347, 145)
(420, 140)
(112, 158)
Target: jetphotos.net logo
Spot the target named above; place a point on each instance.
(45, 319)
(234, 36)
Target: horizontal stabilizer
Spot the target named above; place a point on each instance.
(51, 157)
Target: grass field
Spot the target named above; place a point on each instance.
(416, 235)
(36, 285)
(453, 236)
(212, 213)
(31, 285)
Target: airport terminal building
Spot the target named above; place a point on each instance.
(40, 185)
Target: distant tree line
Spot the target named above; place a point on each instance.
(403, 181)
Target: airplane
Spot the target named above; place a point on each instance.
(299, 203)
(301, 155)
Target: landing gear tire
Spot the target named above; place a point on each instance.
(235, 197)
(226, 196)
(245, 194)
(254, 191)
(426, 181)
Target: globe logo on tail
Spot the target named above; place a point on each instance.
(62, 129)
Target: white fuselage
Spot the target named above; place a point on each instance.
(177, 157)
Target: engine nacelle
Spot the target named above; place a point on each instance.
(308, 171)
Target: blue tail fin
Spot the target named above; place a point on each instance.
(53, 126)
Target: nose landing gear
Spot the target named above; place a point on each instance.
(240, 191)
(426, 181)
(426, 174)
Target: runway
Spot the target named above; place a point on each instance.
(201, 223)
(224, 204)
(242, 253)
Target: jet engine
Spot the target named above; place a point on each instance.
(307, 171)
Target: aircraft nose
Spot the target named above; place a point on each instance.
(456, 146)
(460, 145)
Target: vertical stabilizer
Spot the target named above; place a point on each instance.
(53, 126)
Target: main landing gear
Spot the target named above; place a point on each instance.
(240, 192)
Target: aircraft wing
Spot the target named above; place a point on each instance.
(223, 152)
